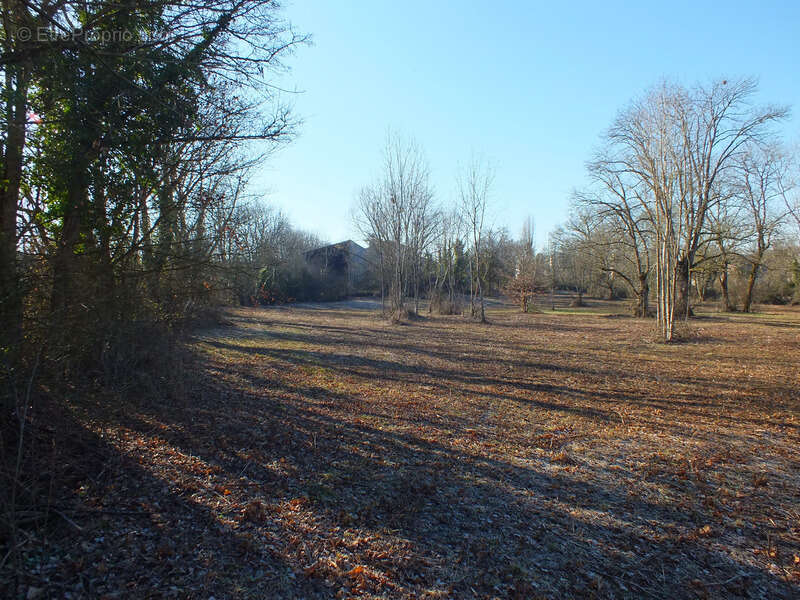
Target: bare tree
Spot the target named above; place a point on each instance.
(577, 267)
(643, 139)
(716, 124)
(678, 143)
(423, 226)
(449, 260)
(761, 173)
(725, 234)
(526, 278)
(617, 202)
(372, 219)
(397, 213)
(474, 186)
(257, 238)
(788, 185)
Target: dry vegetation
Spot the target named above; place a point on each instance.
(326, 453)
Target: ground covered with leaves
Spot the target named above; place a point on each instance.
(329, 454)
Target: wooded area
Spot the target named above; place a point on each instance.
(463, 438)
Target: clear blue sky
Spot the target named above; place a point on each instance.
(530, 86)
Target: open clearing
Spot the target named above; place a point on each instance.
(326, 453)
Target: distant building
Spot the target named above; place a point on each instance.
(342, 266)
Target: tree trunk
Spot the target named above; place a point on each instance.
(10, 178)
(478, 309)
(682, 309)
(416, 289)
(751, 282)
(383, 283)
(609, 283)
(167, 224)
(483, 307)
(723, 282)
(65, 263)
(102, 228)
(642, 300)
(397, 285)
(701, 293)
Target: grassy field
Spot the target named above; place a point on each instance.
(327, 453)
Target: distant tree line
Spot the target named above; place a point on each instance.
(691, 196)
(450, 255)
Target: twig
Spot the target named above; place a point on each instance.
(67, 519)
(726, 582)
(641, 589)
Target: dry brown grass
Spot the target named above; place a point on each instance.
(327, 453)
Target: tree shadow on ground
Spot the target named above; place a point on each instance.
(291, 483)
(117, 526)
(434, 514)
(587, 399)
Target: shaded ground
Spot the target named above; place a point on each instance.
(325, 453)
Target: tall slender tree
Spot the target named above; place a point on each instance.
(474, 186)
